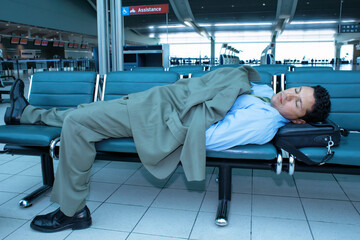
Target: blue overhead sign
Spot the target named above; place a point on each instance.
(125, 11)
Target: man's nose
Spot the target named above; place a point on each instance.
(290, 96)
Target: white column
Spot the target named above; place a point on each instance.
(102, 43)
(118, 41)
(212, 57)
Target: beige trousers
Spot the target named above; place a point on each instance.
(81, 129)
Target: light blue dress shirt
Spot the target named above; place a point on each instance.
(249, 121)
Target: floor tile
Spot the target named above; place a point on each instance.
(138, 236)
(97, 234)
(331, 211)
(29, 159)
(134, 195)
(35, 187)
(14, 167)
(6, 196)
(101, 191)
(179, 199)
(18, 183)
(4, 158)
(168, 222)
(32, 171)
(350, 184)
(280, 229)
(240, 203)
(11, 209)
(117, 217)
(268, 183)
(318, 185)
(241, 181)
(115, 172)
(334, 231)
(205, 228)
(178, 181)
(143, 177)
(357, 206)
(25, 232)
(8, 225)
(101, 163)
(278, 207)
(4, 176)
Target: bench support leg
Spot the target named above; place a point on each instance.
(224, 196)
(47, 169)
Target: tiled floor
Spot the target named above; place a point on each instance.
(127, 203)
(133, 205)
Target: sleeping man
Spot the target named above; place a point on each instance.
(170, 124)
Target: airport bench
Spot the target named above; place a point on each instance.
(344, 90)
(47, 89)
(317, 69)
(265, 156)
(148, 69)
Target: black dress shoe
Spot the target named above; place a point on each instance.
(58, 221)
(17, 103)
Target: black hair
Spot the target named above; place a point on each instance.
(321, 107)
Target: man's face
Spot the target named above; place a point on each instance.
(293, 103)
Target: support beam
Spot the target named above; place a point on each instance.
(119, 40)
(212, 57)
(284, 14)
(184, 14)
(102, 43)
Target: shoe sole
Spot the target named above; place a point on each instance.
(9, 111)
(73, 226)
(12, 95)
(7, 117)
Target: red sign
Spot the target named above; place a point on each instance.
(149, 9)
(44, 43)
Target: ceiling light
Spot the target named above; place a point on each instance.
(151, 27)
(205, 25)
(187, 23)
(172, 26)
(313, 22)
(347, 21)
(241, 24)
(151, 35)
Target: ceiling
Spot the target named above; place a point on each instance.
(212, 12)
(207, 13)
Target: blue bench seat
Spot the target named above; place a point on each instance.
(347, 153)
(344, 90)
(47, 90)
(28, 135)
(263, 152)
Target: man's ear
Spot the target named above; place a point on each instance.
(298, 121)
